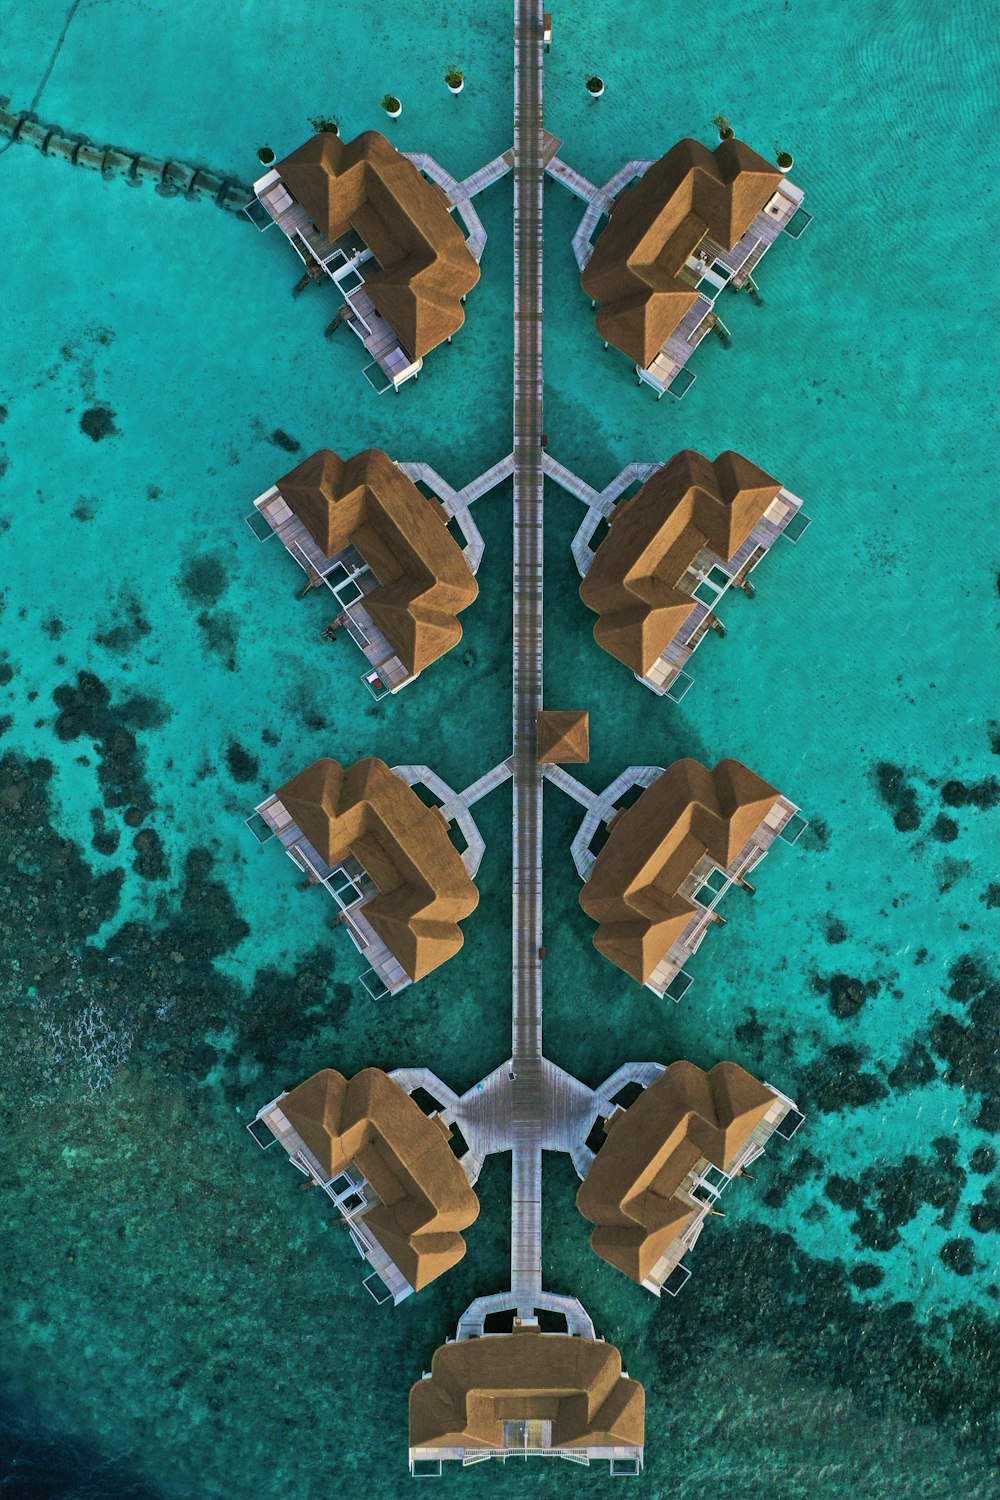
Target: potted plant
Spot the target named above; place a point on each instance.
(785, 160)
(392, 106)
(325, 125)
(455, 79)
(726, 131)
(595, 86)
(265, 155)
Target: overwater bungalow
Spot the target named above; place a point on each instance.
(526, 1394)
(359, 214)
(387, 1168)
(364, 530)
(667, 1159)
(695, 222)
(695, 529)
(655, 886)
(386, 859)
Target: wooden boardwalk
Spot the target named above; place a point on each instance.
(486, 176)
(567, 480)
(488, 480)
(458, 195)
(561, 778)
(526, 1087)
(580, 186)
(453, 808)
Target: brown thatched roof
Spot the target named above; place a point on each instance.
(367, 186)
(656, 225)
(654, 845)
(690, 504)
(424, 889)
(424, 580)
(563, 739)
(477, 1385)
(374, 1125)
(629, 1191)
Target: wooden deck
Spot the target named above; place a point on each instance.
(602, 810)
(769, 223)
(690, 940)
(744, 561)
(353, 1203)
(567, 480)
(307, 858)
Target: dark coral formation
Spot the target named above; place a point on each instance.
(150, 859)
(915, 1068)
(891, 1196)
(959, 1255)
(970, 1049)
(130, 628)
(848, 995)
(203, 579)
(243, 767)
(85, 709)
(981, 795)
(836, 1080)
(898, 795)
(98, 422)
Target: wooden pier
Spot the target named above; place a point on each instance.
(526, 1085)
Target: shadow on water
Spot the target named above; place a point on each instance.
(45, 1465)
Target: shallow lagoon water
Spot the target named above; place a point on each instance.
(179, 1320)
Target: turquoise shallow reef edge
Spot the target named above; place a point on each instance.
(178, 1321)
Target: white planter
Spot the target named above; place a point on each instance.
(456, 88)
(596, 93)
(394, 114)
(788, 168)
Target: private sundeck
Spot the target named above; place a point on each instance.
(347, 262)
(708, 579)
(703, 1187)
(350, 887)
(349, 579)
(713, 268)
(705, 888)
(350, 1193)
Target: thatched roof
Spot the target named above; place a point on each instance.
(629, 1191)
(424, 580)
(563, 738)
(688, 506)
(425, 265)
(372, 1124)
(688, 195)
(477, 1385)
(654, 845)
(424, 889)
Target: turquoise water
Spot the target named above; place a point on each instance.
(178, 1319)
